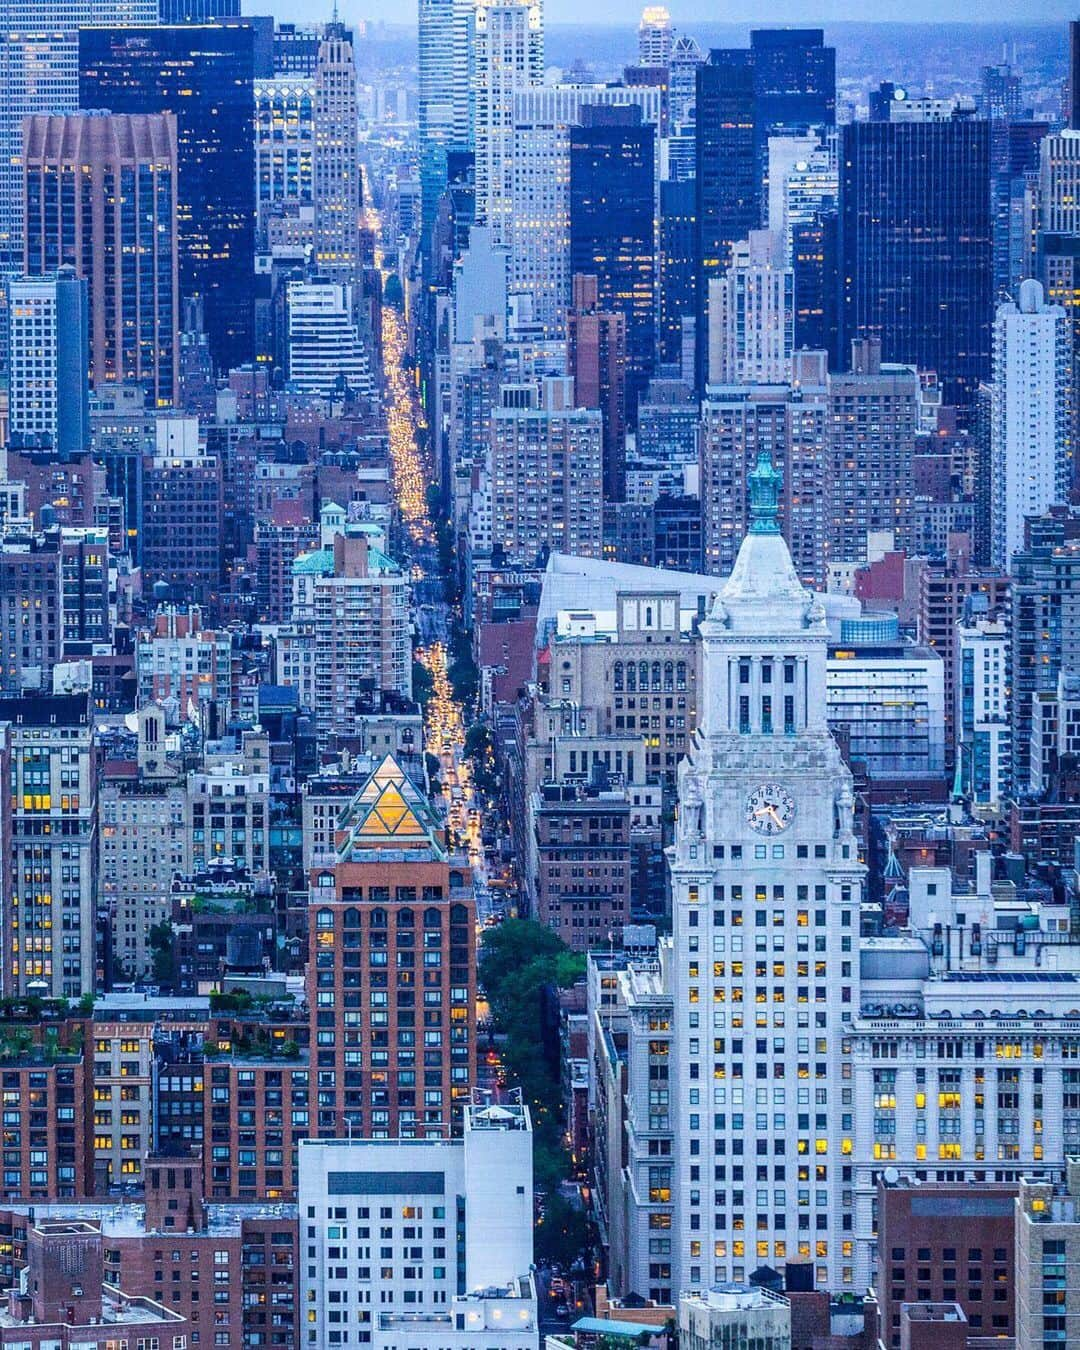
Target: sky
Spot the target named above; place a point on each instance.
(685, 12)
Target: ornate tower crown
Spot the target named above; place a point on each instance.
(765, 482)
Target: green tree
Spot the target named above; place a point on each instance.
(422, 683)
(562, 1233)
(162, 952)
(519, 961)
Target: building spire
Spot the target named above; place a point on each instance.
(765, 483)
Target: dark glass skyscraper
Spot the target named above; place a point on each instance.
(204, 74)
(612, 171)
(784, 82)
(813, 260)
(677, 263)
(198, 11)
(727, 179)
(794, 79)
(915, 246)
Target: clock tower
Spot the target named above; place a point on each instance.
(763, 966)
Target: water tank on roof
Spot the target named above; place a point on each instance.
(874, 628)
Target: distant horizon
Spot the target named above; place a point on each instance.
(617, 14)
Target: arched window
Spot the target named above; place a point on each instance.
(324, 918)
(617, 676)
(405, 918)
(378, 918)
(432, 917)
(351, 918)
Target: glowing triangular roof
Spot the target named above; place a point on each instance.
(390, 809)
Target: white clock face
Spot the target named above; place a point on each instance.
(770, 809)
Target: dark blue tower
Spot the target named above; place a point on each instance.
(916, 246)
(612, 211)
(204, 74)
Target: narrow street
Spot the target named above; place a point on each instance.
(444, 729)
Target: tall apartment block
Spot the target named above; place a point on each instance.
(789, 421)
(54, 601)
(873, 418)
(101, 197)
(546, 472)
(1047, 1258)
(47, 363)
(391, 971)
(596, 358)
(507, 41)
(1045, 628)
(360, 615)
(752, 314)
(1032, 458)
(50, 913)
(182, 513)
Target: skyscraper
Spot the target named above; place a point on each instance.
(728, 204)
(765, 881)
(1058, 242)
(676, 266)
(47, 363)
(596, 358)
(794, 78)
(546, 473)
(205, 74)
(336, 160)
(794, 89)
(1000, 99)
(752, 314)
(655, 37)
(100, 197)
(442, 96)
(915, 246)
(389, 891)
(324, 347)
(508, 55)
(1031, 449)
(540, 201)
(612, 209)
(39, 73)
(284, 143)
(683, 62)
(198, 11)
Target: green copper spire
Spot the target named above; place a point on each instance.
(765, 496)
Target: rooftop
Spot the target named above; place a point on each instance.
(119, 1220)
(117, 1309)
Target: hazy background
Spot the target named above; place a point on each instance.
(688, 12)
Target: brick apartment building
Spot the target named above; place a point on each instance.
(227, 1271)
(392, 971)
